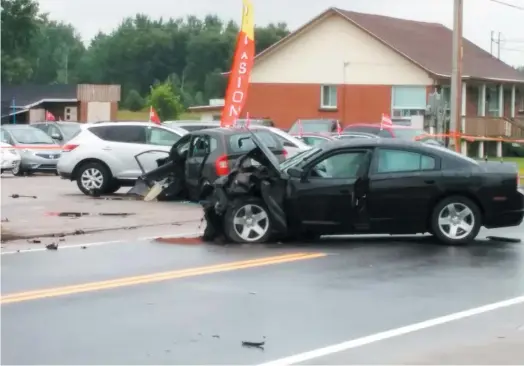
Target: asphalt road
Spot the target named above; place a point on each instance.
(195, 304)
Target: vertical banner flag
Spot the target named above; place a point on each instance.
(238, 85)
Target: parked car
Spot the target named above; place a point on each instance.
(60, 131)
(315, 139)
(38, 151)
(102, 156)
(291, 144)
(200, 157)
(363, 186)
(255, 122)
(190, 126)
(10, 158)
(313, 125)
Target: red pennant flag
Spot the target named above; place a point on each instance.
(153, 116)
(49, 116)
(339, 128)
(238, 85)
(385, 121)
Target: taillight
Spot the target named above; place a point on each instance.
(221, 166)
(285, 153)
(69, 147)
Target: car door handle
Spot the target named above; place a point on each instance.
(429, 181)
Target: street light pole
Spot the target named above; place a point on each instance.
(456, 74)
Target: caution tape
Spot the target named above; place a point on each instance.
(469, 138)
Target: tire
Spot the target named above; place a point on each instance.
(237, 210)
(18, 171)
(441, 214)
(113, 186)
(97, 170)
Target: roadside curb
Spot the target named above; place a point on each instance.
(7, 235)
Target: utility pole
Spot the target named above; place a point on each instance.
(498, 46)
(491, 43)
(456, 74)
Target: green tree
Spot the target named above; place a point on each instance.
(134, 102)
(19, 26)
(166, 103)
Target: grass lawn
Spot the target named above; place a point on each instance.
(125, 115)
(519, 161)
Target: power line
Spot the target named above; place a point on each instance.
(508, 4)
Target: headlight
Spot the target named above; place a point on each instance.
(13, 151)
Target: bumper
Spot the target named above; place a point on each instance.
(506, 218)
(10, 164)
(65, 175)
(38, 164)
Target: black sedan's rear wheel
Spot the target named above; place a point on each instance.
(247, 221)
(456, 220)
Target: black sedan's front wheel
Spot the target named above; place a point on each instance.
(247, 221)
(456, 220)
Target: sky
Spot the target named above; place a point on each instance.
(480, 16)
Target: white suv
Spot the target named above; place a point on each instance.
(102, 156)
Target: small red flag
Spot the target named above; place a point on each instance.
(339, 128)
(385, 120)
(153, 116)
(49, 116)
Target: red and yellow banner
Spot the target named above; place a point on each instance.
(236, 93)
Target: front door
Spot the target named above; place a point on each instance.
(327, 200)
(198, 152)
(402, 186)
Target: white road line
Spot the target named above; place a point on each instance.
(359, 342)
(99, 243)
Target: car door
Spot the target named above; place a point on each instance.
(123, 143)
(159, 139)
(330, 198)
(402, 184)
(198, 154)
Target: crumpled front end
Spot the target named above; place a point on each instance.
(244, 181)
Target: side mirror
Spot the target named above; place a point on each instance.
(56, 136)
(295, 173)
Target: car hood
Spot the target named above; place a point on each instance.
(267, 157)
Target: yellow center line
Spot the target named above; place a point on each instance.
(155, 277)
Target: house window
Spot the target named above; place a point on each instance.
(407, 101)
(492, 101)
(328, 96)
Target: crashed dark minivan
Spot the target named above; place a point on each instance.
(361, 186)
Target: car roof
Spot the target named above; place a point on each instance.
(124, 123)
(377, 125)
(192, 122)
(228, 131)
(18, 127)
(385, 143)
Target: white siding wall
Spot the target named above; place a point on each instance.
(98, 111)
(36, 115)
(318, 55)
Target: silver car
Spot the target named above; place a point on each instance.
(59, 131)
(39, 152)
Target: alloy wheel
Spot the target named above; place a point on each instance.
(92, 179)
(251, 222)
(456, 221)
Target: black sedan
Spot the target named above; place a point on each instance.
(363, 186)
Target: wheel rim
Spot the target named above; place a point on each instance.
(16, 169)
(92, 179)
(251, 222)
(456, 221)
